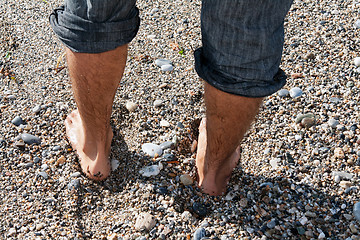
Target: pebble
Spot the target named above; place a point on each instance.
(30, 139)
(343, 175)
(164, 123)
(17, 121)
(74, 184)
(300, 117)
(158, 103)
(131, 106)
(308, 122)
(44, 175)
(145, 222)
(295, 92)
(272, 223)
(186, 179)
(199, 234)
(274, 163)
(167, 68)
(36, 109)
(149, 171)
(152, 149)
(200, 209)
(162, 62)
(333, 123)
(357, 61)
(339, 153)
(283, 93)
(114, 164)
(166, 145)
(20, 143)
(243, 202)
(75, 175)
(357, 24)
(56, 148)
(356, 211)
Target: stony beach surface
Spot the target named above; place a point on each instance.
(298, 177)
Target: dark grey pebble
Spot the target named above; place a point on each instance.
(28, 165)
(200, 209)
(271, 224)
(199, 234)
(74, 184)
(30, 139)
(180, 125)
(44, 175)
(17, 121)
(37, 160)
(169, 157)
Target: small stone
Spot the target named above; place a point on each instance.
(348, 216)
(356, 211)
(300, 117)
(321, 236)
(113, 236)
(271, 224)
(310, 56)
(310, 214)
(187, 216)
(36, 109)
(339, 153)
(243, 202)
(266, 184)
(274, 163)
(180, 125)
(44, 175)
(114, 164)
(297, 75)
(343, 175)
(145, 222)
(283, 93)
(199, 234)
(20, 143)
(158, 103)
(333, 123)
(166, 145)
(12, 232)
(200, 209)
(130, 106)
(357, 60)
(61, 160)
(149, 171)
(353, 228)
(152, 149)
(357, 24)
(295, 92)
(164, 123)
(30, 139)
(17, 121)
(162, 62)
(308, 122)
(75, 175)
(74, 184)
(39, 226)
(186, 179)
(167, 68)
(303, 220)
(44, 167)
(345, 184)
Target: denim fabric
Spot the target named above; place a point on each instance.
(95, 26)
(242, 45)
(242, 39)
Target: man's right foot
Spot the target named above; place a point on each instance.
(93, 152)
(213, 181)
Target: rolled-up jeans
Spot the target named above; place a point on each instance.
(242, 40)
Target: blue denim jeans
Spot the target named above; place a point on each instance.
(242, 39)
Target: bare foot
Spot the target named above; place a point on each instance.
(213, 181)
(93, 152)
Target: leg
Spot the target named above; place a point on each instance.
(95, 78)
(239, 60)
(228, 117)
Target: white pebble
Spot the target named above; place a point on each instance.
(283, 93)
(152, 149)
(357, 24)
(149, 171)
(130, 106)
(295, 92)
(114, 164)
(162, 62)
(357, 61)
(167, 68)
(164, 123)
(186, 179)
(158, 103)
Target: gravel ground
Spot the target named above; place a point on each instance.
(299, 173)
